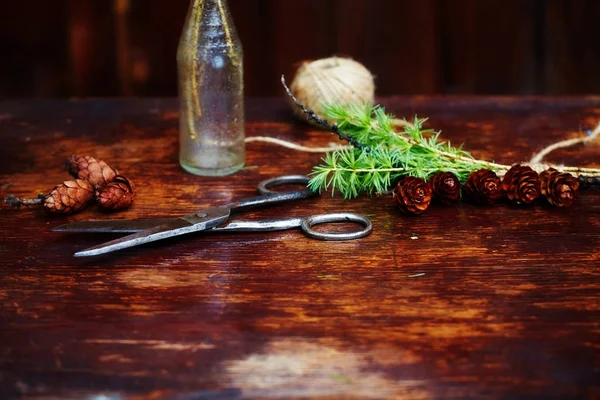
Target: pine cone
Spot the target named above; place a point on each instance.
(483, 187)
(98, 172)
(559, 188)
(522, 184)
(69, 197)
(445, 187)
(412, 195)
(117, 195)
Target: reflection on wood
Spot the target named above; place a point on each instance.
(462, 302)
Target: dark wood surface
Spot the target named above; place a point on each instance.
(463, 302)
(127, 47)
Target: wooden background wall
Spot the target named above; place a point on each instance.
(127, 47)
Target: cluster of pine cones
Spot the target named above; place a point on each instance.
(95, 181)
(521, 185)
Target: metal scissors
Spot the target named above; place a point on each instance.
(210, 220)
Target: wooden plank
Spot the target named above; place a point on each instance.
(92, 50)
(396, 40)
(572, 50)
(84, 48)
(34, 58)
(301, 31)
(488, 47)
(253, 20)
(154, 30)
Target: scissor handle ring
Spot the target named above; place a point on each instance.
(309, 222)
(263, 187)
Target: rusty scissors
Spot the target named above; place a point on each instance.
(211, 220)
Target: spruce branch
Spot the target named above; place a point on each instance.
(381, 155)
(415, 151)
(455, 154)
(19, 202)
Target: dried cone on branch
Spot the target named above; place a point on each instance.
(522, 184)
(483, 187)
(412, 195)
(445, 187)
(559, 188)
(117, 195)
(69, 197)
(96, 171)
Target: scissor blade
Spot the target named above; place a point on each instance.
(113, 225)
(196, 222)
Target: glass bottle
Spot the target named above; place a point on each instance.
(211, 91)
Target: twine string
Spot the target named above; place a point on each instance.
(590, 137)
(307, 149)
(295, 146)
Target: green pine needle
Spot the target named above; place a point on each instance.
(387, 155)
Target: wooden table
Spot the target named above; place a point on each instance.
(465, 301)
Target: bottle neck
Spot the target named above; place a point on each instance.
(217, 5)
(209, 28)
(210, 14)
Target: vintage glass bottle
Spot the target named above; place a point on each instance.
(211, 91)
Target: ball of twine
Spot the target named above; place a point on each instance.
(332, 80)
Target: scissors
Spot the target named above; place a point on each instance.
(211, 220)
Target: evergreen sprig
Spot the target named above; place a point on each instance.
(385, 155)
(379, 155)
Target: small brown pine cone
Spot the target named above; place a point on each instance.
(412, 195)
(69, 197)
(98, 172)
(445, 187)
(522, 184)
(559, 188)
(117, 195)
(483, 187)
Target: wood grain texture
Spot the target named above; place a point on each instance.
(570, 63)
(397, 40)
(463, 302)
(33, 49)
(489, 47)
(82, 48)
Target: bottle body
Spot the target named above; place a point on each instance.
(211, 91)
